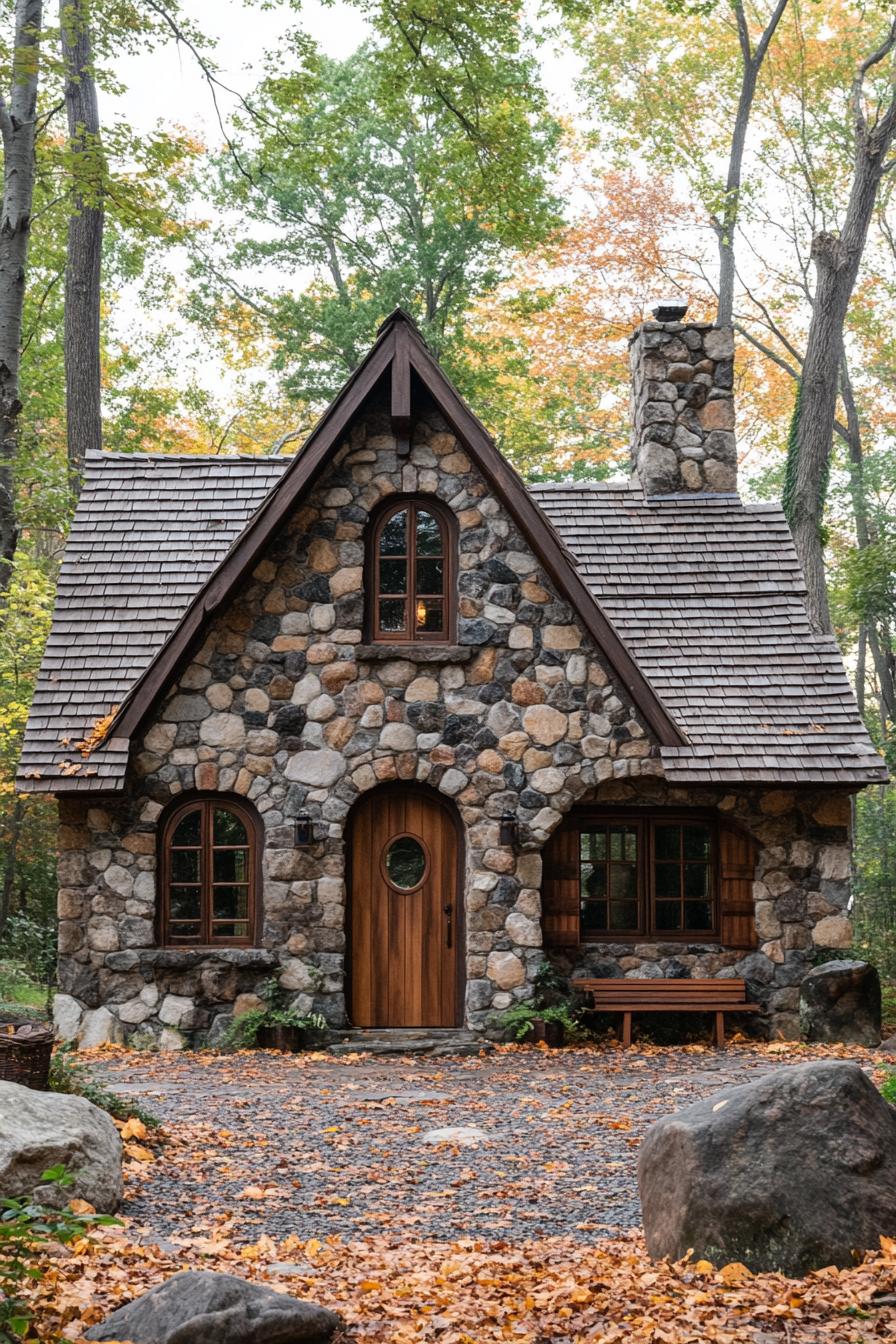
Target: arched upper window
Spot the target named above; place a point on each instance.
(209, 880)
(411, 564)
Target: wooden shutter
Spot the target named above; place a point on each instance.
(560, 889)
(737, 868)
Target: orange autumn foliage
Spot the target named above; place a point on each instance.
(556, 338)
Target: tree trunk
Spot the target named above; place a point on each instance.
(837, 260)
(85, 242)
(725, 222)
(18, 127)
(878, 640)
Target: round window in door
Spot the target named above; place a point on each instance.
(404, 861)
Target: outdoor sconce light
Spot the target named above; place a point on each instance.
(507, 829)
(304, 831)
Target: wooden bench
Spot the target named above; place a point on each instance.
(668, 996)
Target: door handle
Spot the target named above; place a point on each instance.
(448, 910)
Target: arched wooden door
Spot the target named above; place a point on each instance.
(405, 908)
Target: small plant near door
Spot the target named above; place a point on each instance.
(548, 1016)
(277, 1026)
(552, 1025)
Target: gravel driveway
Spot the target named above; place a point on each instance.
(314, 1146)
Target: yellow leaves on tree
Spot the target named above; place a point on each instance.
(555, 342)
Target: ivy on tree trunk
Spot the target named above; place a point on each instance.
(837, 258)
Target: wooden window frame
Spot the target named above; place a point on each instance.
(395, 504)
(645, 821)
(207, 804)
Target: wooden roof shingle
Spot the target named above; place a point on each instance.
(695, 601)
(149, 529)
(708, 594)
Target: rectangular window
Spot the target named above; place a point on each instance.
(647, 876)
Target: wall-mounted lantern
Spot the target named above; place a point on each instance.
(304, 831)
(507, 829)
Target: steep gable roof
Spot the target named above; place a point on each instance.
(399, 352)
(148, 531)
(706, 591)
(696, 601)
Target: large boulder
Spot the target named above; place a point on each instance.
(201, 1307)
(840, 1001)
(792, 1172)
(39, 1130)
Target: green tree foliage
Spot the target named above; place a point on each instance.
(142, 181)
(375, 187)
(874, 883)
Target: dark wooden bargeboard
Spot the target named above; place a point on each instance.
(668, 996)
(404, 944)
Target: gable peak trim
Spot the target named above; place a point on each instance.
(398, 349)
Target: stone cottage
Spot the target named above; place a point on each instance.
(386, 724)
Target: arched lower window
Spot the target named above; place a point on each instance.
(208, 873)
(411, 561)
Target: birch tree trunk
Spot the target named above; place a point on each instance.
(18, 129)
(837, 258)
(85, 241)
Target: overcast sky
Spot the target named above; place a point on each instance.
(242, 35)
(168, 85)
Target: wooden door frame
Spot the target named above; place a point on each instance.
(460, 922)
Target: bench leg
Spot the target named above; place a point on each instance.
(626, 1029)
(720, 1030)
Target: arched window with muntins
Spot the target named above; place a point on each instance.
(411, 574)
(209, 874)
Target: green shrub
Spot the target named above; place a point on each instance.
(519, 1019)
(874, 883)
(32, 943)
(25, 1227)
(888, 1090)
(278, 1011)
(67, 1075)
(243, 1032)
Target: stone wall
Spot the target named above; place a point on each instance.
(683, 408)
(801, 891)
(285, 706)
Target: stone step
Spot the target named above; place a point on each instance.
(407, 1041)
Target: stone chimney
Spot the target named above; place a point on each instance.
(683, 408)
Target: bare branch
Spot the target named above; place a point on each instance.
(876, 57)
(762, 46)
(766, 350)
(290, 436)
(214, 84)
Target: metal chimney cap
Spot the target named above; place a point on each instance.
(670, 310)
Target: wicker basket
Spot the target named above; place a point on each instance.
(25, 1055)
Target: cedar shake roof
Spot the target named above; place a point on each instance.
(707, 593)
(149, 529)
(695, 601)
